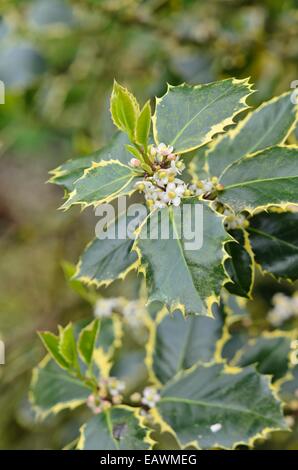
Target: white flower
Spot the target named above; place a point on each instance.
(134, 313)
(115, 386)
(177, 166)
(150, 397)
(164, 150)
(173, 193)
(105, 307)
(215, 427)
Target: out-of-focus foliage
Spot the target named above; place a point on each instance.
(58, 60)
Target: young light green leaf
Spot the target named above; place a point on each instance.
(53, 389)
(274, 240)
(51, 343)
(268, 125)
(102, 182)
(178, 342)
(117, 428)
(87, 341)
(124, 110)
(67, 346)
(187, 117)
(217, 407)
(180, 274)
(266, 178)
(66, 174)
(143, 125)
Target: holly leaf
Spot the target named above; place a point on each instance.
(187, 117)
(240, 268)
(213, 406)
(53, 389)
(102, 182)
(107, 259)
(143, 125)
(181, 274)
(124, 110)
(67, 346)
(269, 352)
(87, 341)
(268, 125)
(52, 343)
(178, 342)
(274, 240)
(66, 175)
(117, 428)
(267, 177)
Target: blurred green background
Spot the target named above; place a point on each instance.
(58, 59)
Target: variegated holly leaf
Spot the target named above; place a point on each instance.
(117, 428)
(240, 268)
(178, 342)
(268, 125)
(102, 182)
(274, 239)
(183, 272)
(187, 117)
(270, 353)
(267, 177)
(107, 259)
(54, 389)
(217, 407)
(65, 175)
(289, 388)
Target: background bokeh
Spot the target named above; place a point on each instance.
(58, 59)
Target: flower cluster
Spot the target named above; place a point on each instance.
(109, 392)
(284, 308)
(132, 311)
(163, 187)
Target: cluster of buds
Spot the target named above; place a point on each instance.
(105, 307)
(109, 393)
(284, 308)
(207, 187)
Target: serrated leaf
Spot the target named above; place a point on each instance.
(240, 402)
(274, 240)
(264, 127)
(51, 343)
(268, 177)
(124, 110)
(143, 125)
(187, 117)
(270, 353)
(181, 342)
(53, 389)
(66, 174)
(87, 341)
(240, 269)
(117, 428)
(183, 278)
(288, 389)
(67, 346)
(105, 260)
(102, 182)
